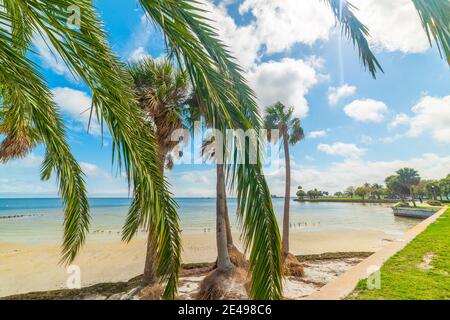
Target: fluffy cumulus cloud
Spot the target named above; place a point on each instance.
(431, 115)
(347, 150)
(31, 161)
(138, 54)
(394, 25)
(281, 24)
(399, 120)
(366, 110)
(193, 183)
(288, 81)
(76, 104)
(335, 94)
(139, 39)
(242, 40)
(276, 27)
(353, 172)
(317, 134)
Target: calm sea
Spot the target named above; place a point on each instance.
(40, 220)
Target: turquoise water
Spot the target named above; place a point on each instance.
(41, 219)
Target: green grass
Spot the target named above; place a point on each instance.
(401, 276)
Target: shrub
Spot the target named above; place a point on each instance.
(435, 203)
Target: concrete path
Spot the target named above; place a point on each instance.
(342, 286)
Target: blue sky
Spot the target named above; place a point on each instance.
(358, 129)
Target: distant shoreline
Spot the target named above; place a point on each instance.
(349, 200)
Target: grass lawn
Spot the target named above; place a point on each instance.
(405, 276)
(355, 199)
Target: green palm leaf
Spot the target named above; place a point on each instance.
(435, 18)
(27, 100)
(88, 56)
(356, 31)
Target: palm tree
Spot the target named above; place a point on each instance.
(421, 189)
(210, 150)
(227, 254)
(278, 117)
(28, 116)
(433, 189)
(377, 190)
(162, 92)
(395, 187)
(444, 185)
(409, 178)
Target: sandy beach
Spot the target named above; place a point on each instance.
(27, 267)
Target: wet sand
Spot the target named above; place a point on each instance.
(27, 267)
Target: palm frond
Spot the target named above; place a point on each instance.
(356, 31)
(435, 18)
(26, 96)
(87, 54)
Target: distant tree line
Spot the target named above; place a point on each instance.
(405, 183)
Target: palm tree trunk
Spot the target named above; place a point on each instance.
(223, 258)
(287, 197)
(412, 196)
(149, 277)
(228, 224)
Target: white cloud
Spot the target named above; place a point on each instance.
(366, 139)
(138, 54)
(337, 93)
(431, 115)
(353, 172)
(288, 81)
(139, 39)
(50, 57)
(281, 24)
(242, 40)
(346, 150)
(194, 183)
(31, 161)
(366, 110)
(92, 170)
(77, 105)
(393, 25)
(400, 119)
(318, 134)
(276, 27)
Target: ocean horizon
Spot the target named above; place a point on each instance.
(40, 219)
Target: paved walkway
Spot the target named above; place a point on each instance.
(345, 283)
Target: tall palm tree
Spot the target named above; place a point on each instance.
(28, 112)
(278, 117)
(226, 251)
(409, 178)
(210, 151)
(162, 92)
